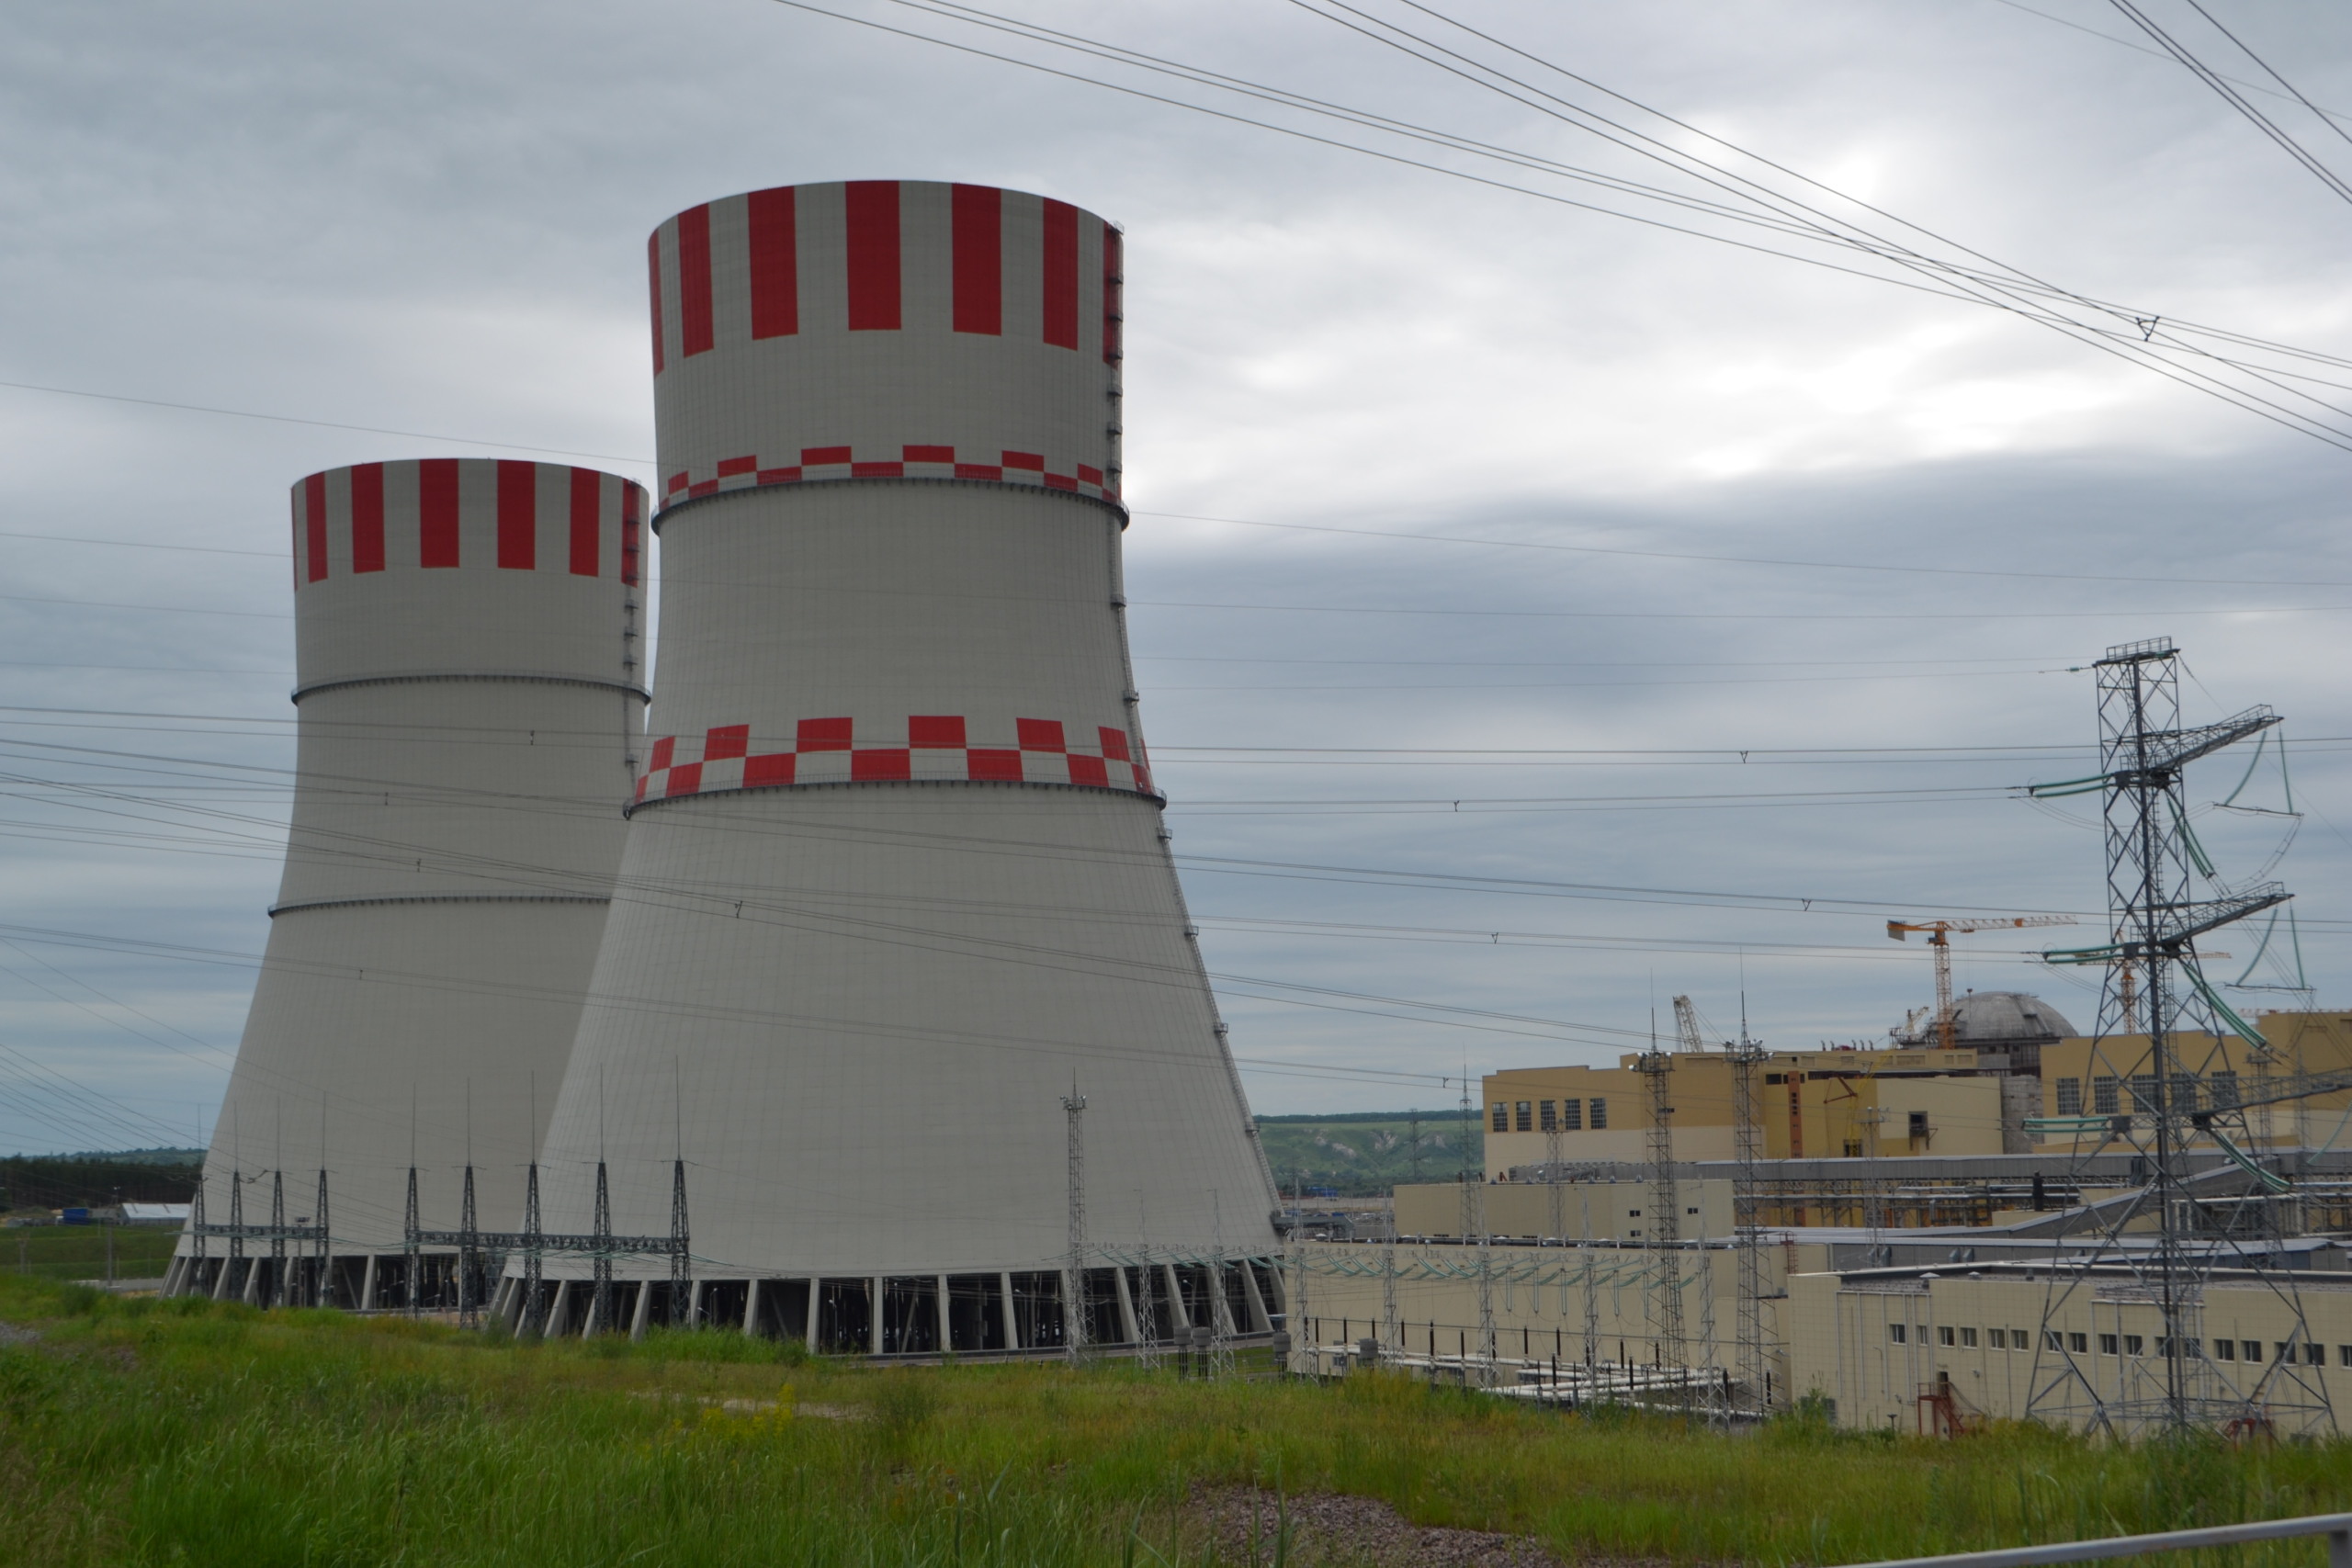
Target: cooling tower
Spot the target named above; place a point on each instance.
(470, 703)
(897, 883)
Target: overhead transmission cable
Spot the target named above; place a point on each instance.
(2008, 287)
(2133, 336)
(2237, 100)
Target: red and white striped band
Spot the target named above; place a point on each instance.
(907, 462)
(467, 512)
(934, 747)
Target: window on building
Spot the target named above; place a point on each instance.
(2134, 1346)
(1526, 1118)
(1944, 1337)
(2251, 1350)
(1692, 1210)
(2077, 1343)
(2018, 1341)
(1502, 1117)
(2053, 1339)
(1968, 1338)
(2143, 1092)
(1996, 1337)
(2314, 1355)
(1572, 1115)
(2221, 1089)
(1894, 1333)
(1600, 1114)
(1547, 1115)
(2226, 1350)
(1919, 1125)
(2283, 1353)
(1633, 1213)
(2107, 1345)
(2070, 1097)
(2343, 1355)
(2184, 1092)
(2105, 1101)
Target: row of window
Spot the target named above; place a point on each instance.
(2220, 1091)
(2118, 1344)
(1550, 1116)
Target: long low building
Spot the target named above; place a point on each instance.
(1554, 1288)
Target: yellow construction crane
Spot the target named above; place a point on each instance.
(1940, 934)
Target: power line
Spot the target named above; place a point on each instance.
(1759, 561)
(2138, 343)
(318, 423)
(2236, 99)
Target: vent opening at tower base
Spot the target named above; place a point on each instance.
(1129, 1308)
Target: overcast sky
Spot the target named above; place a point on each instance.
(431, 218)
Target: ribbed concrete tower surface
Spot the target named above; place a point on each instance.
(898, 878)
(470, 700)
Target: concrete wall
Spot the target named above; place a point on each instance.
(1984, 1335)
(1609, 1211)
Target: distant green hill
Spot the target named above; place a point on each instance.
(1359, 1154)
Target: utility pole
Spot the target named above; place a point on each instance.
(1664, 1229)
(1075, 1306)
(1747, 1136)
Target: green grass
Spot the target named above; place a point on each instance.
(79, 1252)
(139, 1432)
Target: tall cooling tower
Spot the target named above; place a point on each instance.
(896, 880)
(470, 702)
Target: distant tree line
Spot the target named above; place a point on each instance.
(32, 1181)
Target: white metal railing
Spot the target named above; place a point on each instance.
(2337, 1528)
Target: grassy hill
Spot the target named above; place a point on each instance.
(1364, 1153)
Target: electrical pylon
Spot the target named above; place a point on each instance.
(1663, 1226)
(1747, 1137)
(2160, 1031)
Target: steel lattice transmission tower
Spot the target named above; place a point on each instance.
(1747, 1139)
(1664, 1226)
(2160, 1036)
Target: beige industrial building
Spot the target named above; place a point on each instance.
(2087, 1084)
(1809, 1104)
(1622, 1210)
(1904, 1347)
(1929, 1252)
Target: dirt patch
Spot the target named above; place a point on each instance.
(1328, 1530)
(10, 1334)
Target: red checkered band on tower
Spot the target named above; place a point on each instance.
(866, 329)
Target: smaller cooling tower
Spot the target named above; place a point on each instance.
(469, 691)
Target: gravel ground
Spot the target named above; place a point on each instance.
(12, 1335)
(1328, 1530)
